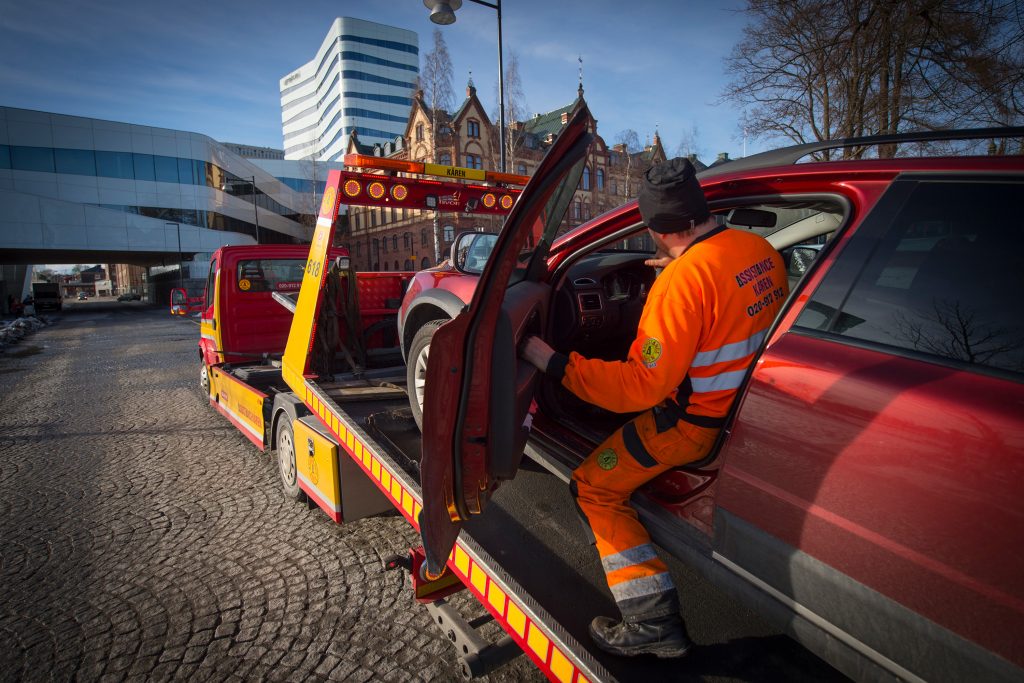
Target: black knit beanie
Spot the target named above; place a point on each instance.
(670, 197)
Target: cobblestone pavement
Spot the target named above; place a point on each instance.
(142, 537)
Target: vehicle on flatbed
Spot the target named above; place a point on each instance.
(862, 495)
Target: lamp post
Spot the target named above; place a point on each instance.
(181, 277)
(443, 12)
(255, 212)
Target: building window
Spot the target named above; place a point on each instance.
(359, 248)
(449, 233)
(445, 159)
(425, 263)
(473, 128)
(407, 240)
(384, 243)
(394, 244)
(615, 186)
(521, 169)
(600, 178)
(586, 177)
(419, 132)
(577, 209)
(423, 237)
(474, 161)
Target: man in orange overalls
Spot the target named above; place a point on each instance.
(705, 318)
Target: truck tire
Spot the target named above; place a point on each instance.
(204, 381)
(416, 369)
(286, 466)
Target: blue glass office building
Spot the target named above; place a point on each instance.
(361, 79)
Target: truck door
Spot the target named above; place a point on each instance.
(478, 392)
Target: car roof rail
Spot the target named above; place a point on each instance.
(790, 155)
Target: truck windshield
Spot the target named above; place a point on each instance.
(270, 275)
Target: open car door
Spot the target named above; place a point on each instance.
(478, 391)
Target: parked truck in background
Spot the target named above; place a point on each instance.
(47, 296)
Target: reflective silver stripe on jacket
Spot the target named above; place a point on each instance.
(734, 351)
(719, 382)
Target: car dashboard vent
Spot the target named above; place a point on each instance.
(590, 302)
(584, 282)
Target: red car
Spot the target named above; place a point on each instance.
(868, 493)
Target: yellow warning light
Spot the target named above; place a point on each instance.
(506, 201)
(375, 190)
(399, 192)
(489, 200)
(352, 188)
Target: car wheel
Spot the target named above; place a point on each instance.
(416, 369)
(286, 460)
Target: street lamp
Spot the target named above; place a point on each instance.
(255, 212)
(443, 12)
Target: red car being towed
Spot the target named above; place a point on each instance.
(868, 492)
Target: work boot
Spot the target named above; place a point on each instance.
(664, 637)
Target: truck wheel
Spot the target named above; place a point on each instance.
(416, 369)
(286, 460)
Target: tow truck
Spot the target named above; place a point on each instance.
(301, 354)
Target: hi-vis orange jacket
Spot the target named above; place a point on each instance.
(705, 317)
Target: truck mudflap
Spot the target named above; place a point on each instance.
(551, 648)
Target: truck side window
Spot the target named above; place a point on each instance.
(208, 294)
(944, 278)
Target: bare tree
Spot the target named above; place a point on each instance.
(436, 79)
(627, 144)
(515, 113)
(823, 69)
(689, 145)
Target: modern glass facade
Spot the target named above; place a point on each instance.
(73, 185)
(360, 81)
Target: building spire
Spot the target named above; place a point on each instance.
(470, 88)
(580, 89)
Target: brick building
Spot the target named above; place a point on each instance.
(400, 239)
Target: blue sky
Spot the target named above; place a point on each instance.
(214, 68)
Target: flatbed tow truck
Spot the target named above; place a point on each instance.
(334, 408)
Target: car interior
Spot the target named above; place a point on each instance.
(599, 294)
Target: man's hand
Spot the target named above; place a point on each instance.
(658, 262)
(536, 351)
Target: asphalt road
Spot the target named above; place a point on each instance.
(142, 537)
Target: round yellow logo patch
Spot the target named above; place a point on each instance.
(244, 285)
(607, 459)
(650, 351)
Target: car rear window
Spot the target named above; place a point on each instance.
(944, 279)
(270, 275)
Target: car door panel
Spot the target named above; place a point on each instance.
(472, 424)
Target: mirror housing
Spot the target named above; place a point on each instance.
(471, 250)
(752, 218)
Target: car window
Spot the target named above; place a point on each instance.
(943, 278)
(268, 275)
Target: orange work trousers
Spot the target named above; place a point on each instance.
(636, 453)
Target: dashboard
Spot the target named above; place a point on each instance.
(599, 303)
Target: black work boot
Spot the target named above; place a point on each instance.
(663, 637)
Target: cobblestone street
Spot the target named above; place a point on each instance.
(141, 536)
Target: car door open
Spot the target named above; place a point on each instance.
(477, 391)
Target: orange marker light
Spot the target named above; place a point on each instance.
(506, 201)
(352, 188)
(399, 192)
(489, 200)
(375, 190)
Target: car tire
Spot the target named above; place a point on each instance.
(416, 368)
(286, 466)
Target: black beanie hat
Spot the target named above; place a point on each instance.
(670, 197)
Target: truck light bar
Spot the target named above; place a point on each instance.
(365, 161)
(372, 189)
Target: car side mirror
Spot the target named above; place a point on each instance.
(471, 250)
(800, 260)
